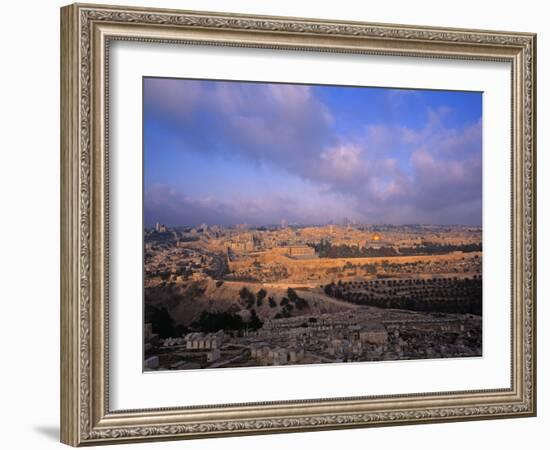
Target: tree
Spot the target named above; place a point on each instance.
(301, 303)
(260, 296)
(162, 322)
(212, 322)
(292, 296)
(329, 289)
(247, 297)
(254, 322)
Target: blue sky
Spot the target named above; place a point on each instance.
(225, 152)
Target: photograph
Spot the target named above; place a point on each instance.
(295, 222)
(288, 224)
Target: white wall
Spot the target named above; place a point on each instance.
(29, 229)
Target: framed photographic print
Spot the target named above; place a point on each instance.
(275, 224)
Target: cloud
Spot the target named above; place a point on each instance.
(438, 169)
(163, 203)
(341, 164)
(383, 172)
(273, 123)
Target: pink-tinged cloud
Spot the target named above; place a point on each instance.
(382, 172)
(166, 204)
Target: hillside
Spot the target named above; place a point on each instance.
(186, 301)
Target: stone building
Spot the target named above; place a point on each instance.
(300, 251)
(201, 341)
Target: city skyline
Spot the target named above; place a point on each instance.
(287, 224)
(227, 153)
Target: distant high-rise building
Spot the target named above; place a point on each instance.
(284, 223)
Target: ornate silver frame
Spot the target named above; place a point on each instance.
(86, 31)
